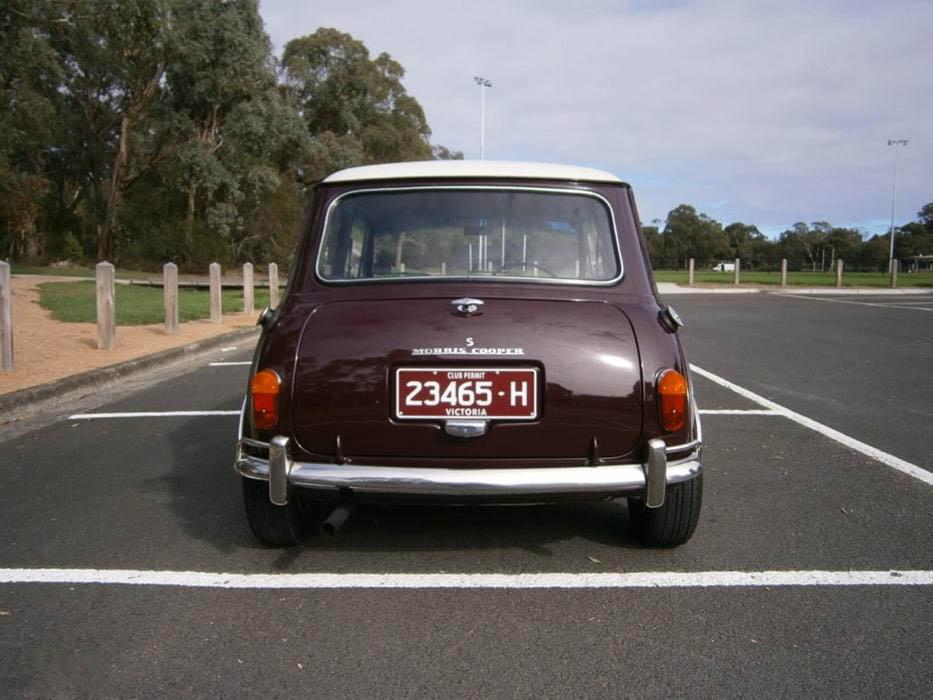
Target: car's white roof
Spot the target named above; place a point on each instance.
(470, 168)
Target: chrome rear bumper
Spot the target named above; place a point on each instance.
(647, 479)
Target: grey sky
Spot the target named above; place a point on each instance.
(763, 112)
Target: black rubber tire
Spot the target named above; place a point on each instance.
(673, 523)
(279, 526)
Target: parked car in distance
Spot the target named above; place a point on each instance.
(724, 267)
(469, 332)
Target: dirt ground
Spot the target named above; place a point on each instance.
(45, 350)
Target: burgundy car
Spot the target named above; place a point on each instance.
(469, 332)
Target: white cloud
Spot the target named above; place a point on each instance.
(765, 112)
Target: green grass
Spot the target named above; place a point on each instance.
(76, 272)
(800, 279)
(75, 302)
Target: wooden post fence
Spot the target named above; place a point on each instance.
(106, 309)
(249, 299)
(170, 296)
(784, 272)
(737, 273)
(839, 273)
(273, 285)
(690, 272)
(217, 313)
(6, 318)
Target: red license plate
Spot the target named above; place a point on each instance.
(465, 392)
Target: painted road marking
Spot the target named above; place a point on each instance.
(151, 414)
(641, 579)
(858, 303)
(230, 364)
(737, 412)
(890, 460)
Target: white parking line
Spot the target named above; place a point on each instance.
(230, 364)
(890, 460)
(857, 303)
(641, 579)
(151, 414)
(737, 412)
(909, 302)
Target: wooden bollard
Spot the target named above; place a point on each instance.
(249, 299)
(217, 309)
(170, 296)
(783, 272)
(106, 309)
(839, 273)
(690, 272)
(6, 319)
(273, 285)
(738, 271)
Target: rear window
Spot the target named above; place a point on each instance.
(469, 233)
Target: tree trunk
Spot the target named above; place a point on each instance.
(189, 223)
(103, 242)
(120, 179)
(31, 241)
(27, 241)
(106, 232)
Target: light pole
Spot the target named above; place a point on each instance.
(483, 84)
(895, 143)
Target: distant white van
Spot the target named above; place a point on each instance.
(724, 267)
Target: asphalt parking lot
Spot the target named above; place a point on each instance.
(811, 571)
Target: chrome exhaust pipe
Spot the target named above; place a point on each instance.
(338, 516)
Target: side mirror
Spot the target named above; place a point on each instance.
(670, 319)
(267, 318)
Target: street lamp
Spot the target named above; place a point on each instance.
(894, 142)
(483, 84)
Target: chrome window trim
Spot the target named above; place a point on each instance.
(614, 236)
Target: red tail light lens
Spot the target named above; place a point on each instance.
(265, 389)
(672, 389)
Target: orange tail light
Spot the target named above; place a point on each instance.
(672, 388)
(265, 389)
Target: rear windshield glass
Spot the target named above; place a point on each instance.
(468, 233)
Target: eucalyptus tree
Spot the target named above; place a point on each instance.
(238, 134)
(29, 75)
(113, 55)
(690, 234)
(355, 108)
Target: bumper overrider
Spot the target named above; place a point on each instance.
(272, 462)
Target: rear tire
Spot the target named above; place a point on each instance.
(279, 526)
(673, 523)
